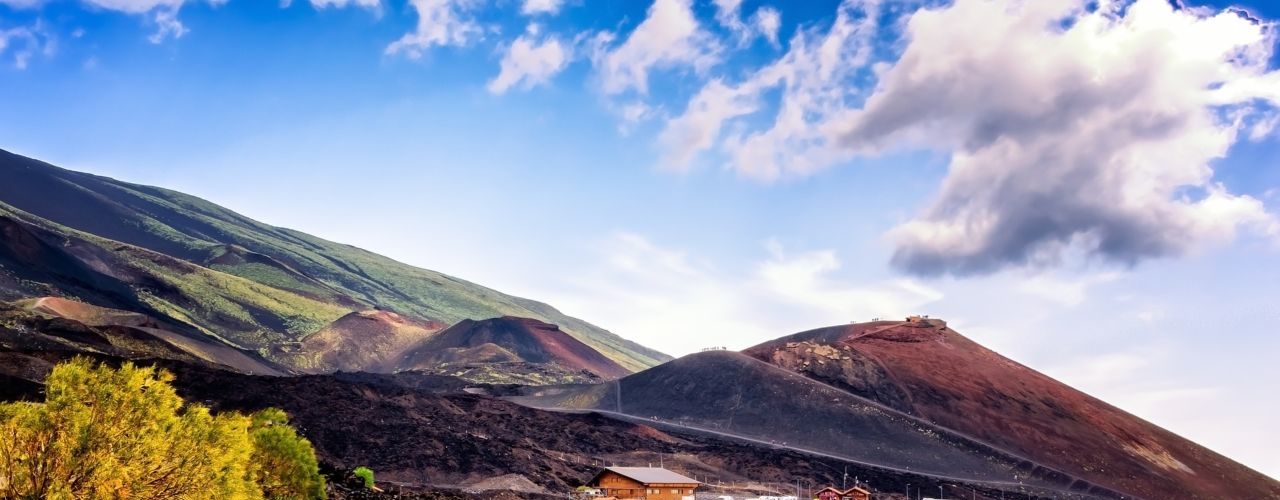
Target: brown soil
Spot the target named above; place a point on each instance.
(373, 341)
(90, 314)
(51, 324)
(932, 372)
(529, 340)
(430, 441)
(735, 394)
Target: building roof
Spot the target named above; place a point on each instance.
(844, 492)
(649, 475)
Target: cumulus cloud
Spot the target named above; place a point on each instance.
(679, 302)
(814, 79)
(669, 37)
(534, 7)
(441, 23)
(1073, 127)
(529, 62)
(1098, 135)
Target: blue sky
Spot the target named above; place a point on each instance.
(1089, 188)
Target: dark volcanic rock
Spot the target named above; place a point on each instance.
(928, 370)
(426, 444)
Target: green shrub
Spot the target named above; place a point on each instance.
(366, 474)
(107, 433)
(125, 433)
(286, 462)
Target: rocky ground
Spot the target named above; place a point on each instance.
(430, 441)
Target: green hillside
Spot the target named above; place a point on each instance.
(41, 257)
(282, 280)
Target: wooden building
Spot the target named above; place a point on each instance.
(832, 493)
(643, 483)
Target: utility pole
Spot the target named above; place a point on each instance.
(618, 393)
(844, 483)
(940, 494)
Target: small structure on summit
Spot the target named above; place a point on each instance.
(833, 493)
(643, 483)
(926, 320)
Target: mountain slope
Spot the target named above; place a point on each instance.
(42, 258)
(509, 339)
(431, 432)
(735, 394)
(372, 341)
(56, 326)
(925, 369)
(212, 237)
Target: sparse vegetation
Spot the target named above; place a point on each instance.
(124, 433)
(252, 304)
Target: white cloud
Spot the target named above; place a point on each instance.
(164, 13)
(1094, 372)
(669, 37)
(534, 7)
(339, 4)
(1264, 126)
(135, 6)
(764, 23)
(1150, 315)
(1066, 291)
(814, 77)
(22, 4)
(167, 26)
(633, 114)
(636, 112)
(1071, 131)
(767, 21)
(698, 128)
(679, 303)
(24, 42)
(440, 23)
(804, 279)
(528, 62)
(1088, 137)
